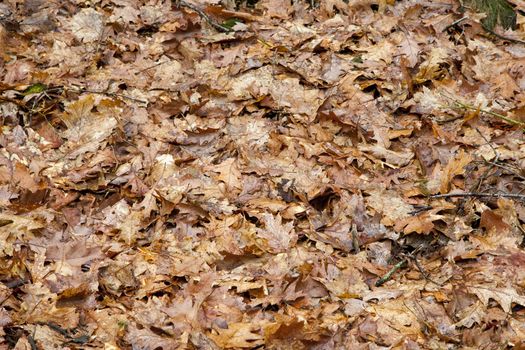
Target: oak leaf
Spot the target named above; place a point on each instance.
(87, 25)
(239, 335)
(277, 236)
(505, 297)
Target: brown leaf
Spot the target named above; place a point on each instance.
(229, 173)
(238, 335)
(454, 167)
(390, 205)
(87, 25)
(505, 297)
(278, 237)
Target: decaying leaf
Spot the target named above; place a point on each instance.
(453, 168)
(390, 204)
(278, 237)
(87, 25)
(505, 297)
(273, 174)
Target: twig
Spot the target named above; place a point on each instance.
(517, 41)
(355, 239)
(31, 340)
(480, 195)
(110, 94)
(454, 23)
(389, 274)
(422, 271)
(12, 100)
(153, 66)
(490, 31)
(461, 105)
(420, 209)
(496, 155)
(448, 120)
(512, 171)
(486, 173)
(203, 15)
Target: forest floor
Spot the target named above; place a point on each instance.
(272, 176)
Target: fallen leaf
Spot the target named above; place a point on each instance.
(278, 237)
(505, 297)
(87, 25)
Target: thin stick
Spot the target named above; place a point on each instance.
(389, 274)
(110, 94)
(355, 239)
(517, 41)
(462, 105)
(486, 173)
(454, 23)
(202, 14)
(509, 169)
(479, 195)
(496, 155)
(420, 209)
(422, 271)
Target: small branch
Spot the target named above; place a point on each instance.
(454, 23)
(389, 274)
(461, 105)
(420, 209)
(422, 271)
(203, 15)
(502, 37)
(355, 239)
(486, 173)
(490, 31)
(81, 90)
(448, 120)
(496, 155)
(512, 171)
(479, 195)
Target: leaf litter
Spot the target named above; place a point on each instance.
(262, 174)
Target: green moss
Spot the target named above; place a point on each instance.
(498, 12)
(230, 23)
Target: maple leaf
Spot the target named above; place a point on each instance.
(408, 46)
(75, 253)
(286, 92)
(422, 223)
(470, 315)
(431, 67)
(40, 305)
(277, 8)
(145, 338)
(86, 131)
